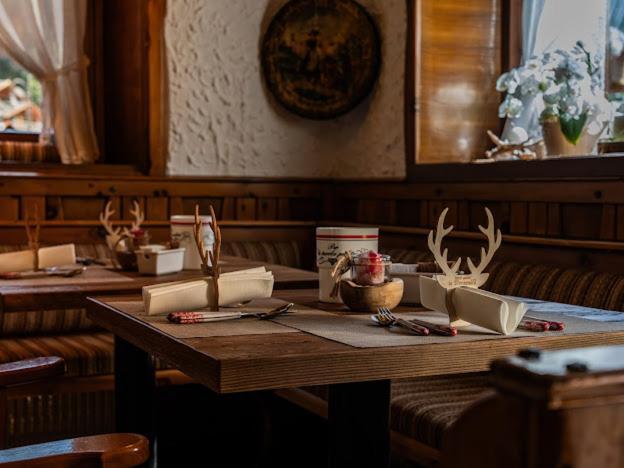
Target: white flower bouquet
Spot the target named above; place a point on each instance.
(570, 86)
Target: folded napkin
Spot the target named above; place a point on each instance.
(474, 306)
(23, 260)
(234, 287)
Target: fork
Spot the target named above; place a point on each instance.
(203, 317)
(385, 318)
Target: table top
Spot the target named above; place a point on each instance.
(73, 295)
(284, 360)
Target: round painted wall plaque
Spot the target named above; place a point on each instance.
(321, 57)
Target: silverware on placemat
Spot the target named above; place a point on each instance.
(435, 328)
(52, 271)
(385, 318)
(205, 317)
(537, 324)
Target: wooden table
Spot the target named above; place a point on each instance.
(68, 296)
(358, 378)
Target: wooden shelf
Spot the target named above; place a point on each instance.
(509, 238)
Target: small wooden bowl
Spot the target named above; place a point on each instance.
(370, 298)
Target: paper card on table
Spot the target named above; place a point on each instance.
(234, 287)
(483, 308)
(57, 255)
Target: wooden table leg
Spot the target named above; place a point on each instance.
(359, 424)
(135, 383)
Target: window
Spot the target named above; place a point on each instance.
(20, 98)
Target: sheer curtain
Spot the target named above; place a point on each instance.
(548, 25)
(46, 38)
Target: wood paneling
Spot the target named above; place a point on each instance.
(9, 208)
(459, 57)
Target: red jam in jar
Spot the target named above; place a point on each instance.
(369, 268)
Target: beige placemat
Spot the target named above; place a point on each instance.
(359, 331)
(92, 275)
(246, 326)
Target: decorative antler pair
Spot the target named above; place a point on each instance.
(114, 234)
(476, 277)
(209, 258)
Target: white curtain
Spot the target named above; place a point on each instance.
(532, 107)
(548, 25)
(46, 38)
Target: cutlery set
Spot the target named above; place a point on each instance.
(204, 317)
(385, 318)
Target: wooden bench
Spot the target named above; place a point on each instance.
(106, 450)
(548, 409)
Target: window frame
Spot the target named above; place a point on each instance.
(610, 166)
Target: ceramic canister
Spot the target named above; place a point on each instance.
(182, 232)
(331, 242)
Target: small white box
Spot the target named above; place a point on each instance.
(160, 262)
(411, 281)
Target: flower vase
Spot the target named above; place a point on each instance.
(558, 145)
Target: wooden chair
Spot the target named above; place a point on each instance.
(550, 409)
(107, 450)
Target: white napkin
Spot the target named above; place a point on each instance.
(482, 308)
(234, 287)
(57, 255)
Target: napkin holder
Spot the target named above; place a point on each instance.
(234, 288)
(23, 260)
(459, 294)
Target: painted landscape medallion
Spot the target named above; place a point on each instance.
(321, 58)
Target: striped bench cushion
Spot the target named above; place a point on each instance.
(425, 408)
(35, 419)
(85, 354)
(285, 253)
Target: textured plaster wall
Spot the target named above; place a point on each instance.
(224, 121)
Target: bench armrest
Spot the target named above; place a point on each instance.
(28, 370)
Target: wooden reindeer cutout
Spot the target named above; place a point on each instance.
(139, 217)
(451, 278)
(33, 228)
(115, 234)
(209, 258)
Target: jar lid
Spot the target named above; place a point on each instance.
(365, 257)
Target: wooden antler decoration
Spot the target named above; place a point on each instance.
(139, 217)
(441, 258)
(494, 242)
(32, 233)
(451, 278)
(210, 258)
(113, 233)
(527, 149)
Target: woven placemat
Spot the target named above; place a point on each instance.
(359, 331)
(245, 326)
(92, 275)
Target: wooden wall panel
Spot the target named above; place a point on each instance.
(33, 205)
(157, 208)
(267, 209)
(9, 208)
(246, 209)
(74, 208)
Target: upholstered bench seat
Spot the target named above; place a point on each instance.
(425, 408)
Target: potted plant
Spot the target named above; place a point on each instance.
(566, 89)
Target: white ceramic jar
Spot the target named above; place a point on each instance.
(182, 233)
(331, 242)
